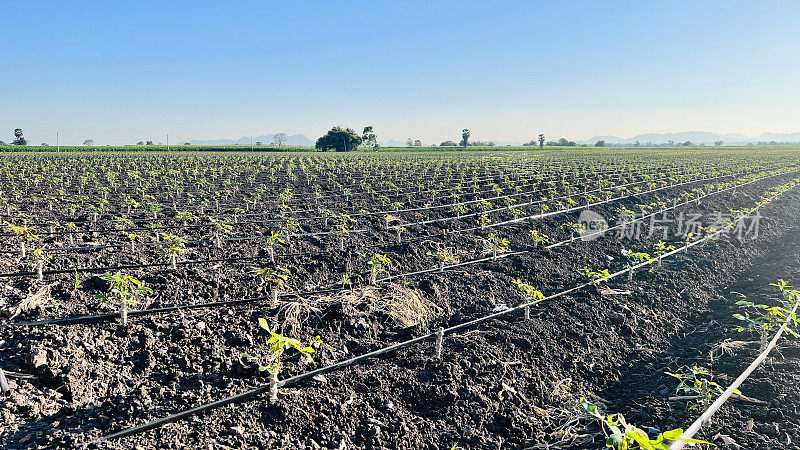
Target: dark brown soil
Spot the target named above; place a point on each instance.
(509, 383)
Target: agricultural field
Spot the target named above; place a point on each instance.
(431, 300)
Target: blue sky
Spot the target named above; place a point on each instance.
(119, 72)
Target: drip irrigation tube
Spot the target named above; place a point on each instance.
(397, 193)
(395, 211)
(486, 179)
(113, 316)
(561, 243)
(706, 416)
(427, 222)
(433, 335)
(323, 233)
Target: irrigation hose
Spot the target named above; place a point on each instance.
(364, 230)
(481, 192)
(706, 416)
(397, 211)
(300, 377)
(112, 316)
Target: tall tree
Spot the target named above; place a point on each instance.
(464, 138)
(279, 139)
(18, 138)
(417, 143)
(409, 142)
(541, 140)
(369, 138)
(339, 139)
(88, 142)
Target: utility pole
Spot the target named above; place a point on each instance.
(58, 145)
(251, 143)
(167, 141)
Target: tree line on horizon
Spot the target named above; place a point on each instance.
(346, 139)
(343, 139)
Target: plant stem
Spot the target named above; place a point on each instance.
(273, 386)
(123, 313)
(439, 341)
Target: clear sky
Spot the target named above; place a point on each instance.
(119, 72)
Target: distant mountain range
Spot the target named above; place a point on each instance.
(295, 140)
(696, 137)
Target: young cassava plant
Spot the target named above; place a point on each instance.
(173, 246)
(662, 248)
(275, 277)
(697, 383)
(497, 244)
(764, 319)
(530, 294)
(274, 238)
(621, 435)
(377, 263)
(41, 258)
(123, 289)
(278, 344)
(634, 259)
(445, 256)
(596, 276)
(539, 239)
(23, 235)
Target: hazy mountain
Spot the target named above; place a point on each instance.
(777, 137)
(696, 137)
(297, 140)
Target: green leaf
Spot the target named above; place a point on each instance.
(673, 434)
(641, 438)
(696, 441)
